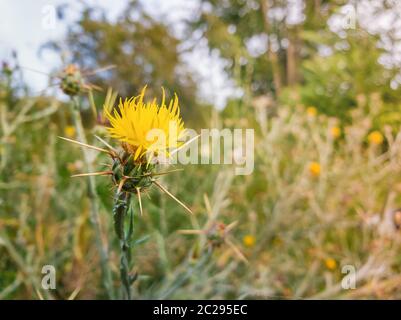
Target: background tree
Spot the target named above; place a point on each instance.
(301, 55)
(143, 51)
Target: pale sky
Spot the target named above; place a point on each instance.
(24, 28)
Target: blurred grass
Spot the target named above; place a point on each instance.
(324, 193)
(305, 224)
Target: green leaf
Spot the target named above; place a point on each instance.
(142, 240)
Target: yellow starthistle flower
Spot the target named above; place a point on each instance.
(141, 128)
(330, 263)
(249, 240)
(375, 137)
(335, 132)
(146, 128)
(314, 169)
(131, 124)
(69, 131)
(311, 112)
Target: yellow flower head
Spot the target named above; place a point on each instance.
(314, 169)
(335, 132)
(69, 131)
(375, 137)
(249, 240)
(311, 112)
(330, 263)
(146, 127)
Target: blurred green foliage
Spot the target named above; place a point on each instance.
(305, 223)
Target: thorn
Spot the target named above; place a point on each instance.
(138, 191)
(237, 251)
(85, 145)
(34, 70)
(190, 231)
(74, 293)
(231, 226)
(207, 204)
(105, 164)
(106, 144)
(91, 86)
(39, 294)
(185, 144)
(121, 184)
(165, 172)
(89, 73)
(48, 87)
(154, 174)
(101, 173)
(172, 196)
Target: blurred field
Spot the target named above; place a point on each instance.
(324, 193)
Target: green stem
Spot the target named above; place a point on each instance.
(120, 212)
(92, 195)
(4, 125)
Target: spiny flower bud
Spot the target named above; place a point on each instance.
(129, 175)
(6, 69)
(216, 234)
(72, 82)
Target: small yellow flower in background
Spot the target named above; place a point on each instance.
(311, 112)
(69, 131)
(375, 137)
(314, 169)
(330, 263)
(249, 240)
(335, 132)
